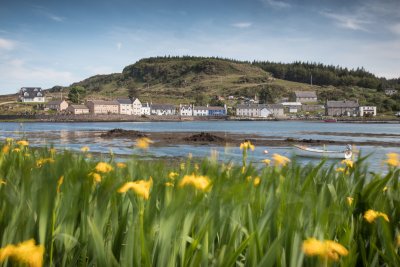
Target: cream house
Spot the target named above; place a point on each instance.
(103, 107)
(58, 105)
(77, 109)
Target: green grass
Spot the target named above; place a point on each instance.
(232, 223)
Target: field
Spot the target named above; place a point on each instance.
(71, 209)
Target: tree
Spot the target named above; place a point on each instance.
(200, 99)
(77, 94)
(133, 92)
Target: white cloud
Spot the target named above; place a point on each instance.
(242, 25)
(119, 46)
(45, 12)
(7, 44)
(277, 3)
(395, 28)
(351, 22)
(55, 18)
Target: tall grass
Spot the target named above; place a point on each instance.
(246, 216)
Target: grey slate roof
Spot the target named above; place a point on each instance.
(215, 108)
(275, 106)
(342, 104)
(125, 101)
(305, 94)
(78, 107)
(55, 102)
(104, 102)
(251, 106)
(162, 106)
(31, 92)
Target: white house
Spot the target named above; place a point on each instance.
(145, 109)
(125, 106)
(253, 110)
(276, 110)
(185, 110)
(32, 95)
(200, 111)
(137, 107)
(367, 111)
(162, 110)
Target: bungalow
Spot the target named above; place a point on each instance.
(77, 109)
(145, 109)
(125, 106)
(103, 107)
(367, 111)
(32, 95)
(292, 107)
(58, 105)
(342, 108)
(305, 96)
(185, 110)
(162, 110)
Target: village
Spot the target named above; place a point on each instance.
(302, 102)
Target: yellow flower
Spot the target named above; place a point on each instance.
(350, 200)
(85, 149)
(256, 181)
(243, 170)
(52, 151)
(169, 184)
(247, 145)
(16, 150)
(385, 189)
(96, 177)
(248, 178)
(23, 143)
(190, 156)
(103, 167)
(393, 160)
(172, 175)
(9, 140)
(143, 143)
(2, 181)
(398, 241)
(121, 165)
(141, 188)
(280, 160)
(5, 149)
(182, 166)
(199, 182)
(371, 215)
(59, 183)
(325, 249)
(26, 253)
(349, 163)
(41, 162)
(267, 161)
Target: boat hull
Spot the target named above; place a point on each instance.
(317, 153)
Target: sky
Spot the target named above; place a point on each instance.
(53, 42)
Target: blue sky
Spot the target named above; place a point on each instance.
(53, 42)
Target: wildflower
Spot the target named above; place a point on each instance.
(199, 182)
(243, 169)
(398, 240)
(23, 143)
(190, 156)
(340, 169)
(385, 189)
(182, 166)
(280, 160)
(248, 178)
(121, 165)
(2, 181)
(256, 181)
(5, 149)
(325, 249)
(26, 252)
(52, 151)
(103, 167)
(247, 145)
(393, 159)
(350, 200)
(141, 188)
(59, 183)
(349, 163)
(96, 177)
(169, 184)
(16, 149)
(41, 162)
(172, 175)
(196, 167)
(9, 140)
(85, 149)
(143, 143)
(266, 161)
(371, 215)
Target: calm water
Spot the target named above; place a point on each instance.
(75, 135)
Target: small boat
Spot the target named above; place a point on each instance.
(330, 120)
(304, 151)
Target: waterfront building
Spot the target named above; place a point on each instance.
(342, 108)
(125, 106)
(58, 105)
(162, 109)
(366, 111)
(77, 109)
(216, 111)
(137, 107)
(258, 110)
(292, 107)
(199, 111)
(32, 95)
(185, 110)
(276, 110)
(305, 96)
(145, 109)
(103, 106)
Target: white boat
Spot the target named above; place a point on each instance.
(304, 151)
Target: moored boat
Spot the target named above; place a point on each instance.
(304, 151)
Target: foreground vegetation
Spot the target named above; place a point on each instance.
(69, 209)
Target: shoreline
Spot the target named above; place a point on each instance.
(153, 118)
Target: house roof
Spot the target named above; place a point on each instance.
(250, 106)
(55, 102)
(200, 107)
(291, 103)
(342, 104)
(104, 102)
(78, 107)
(275, 106)
(305, 94)
(162, 106)
(215, 108)
(125, 101)
(31, 92)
